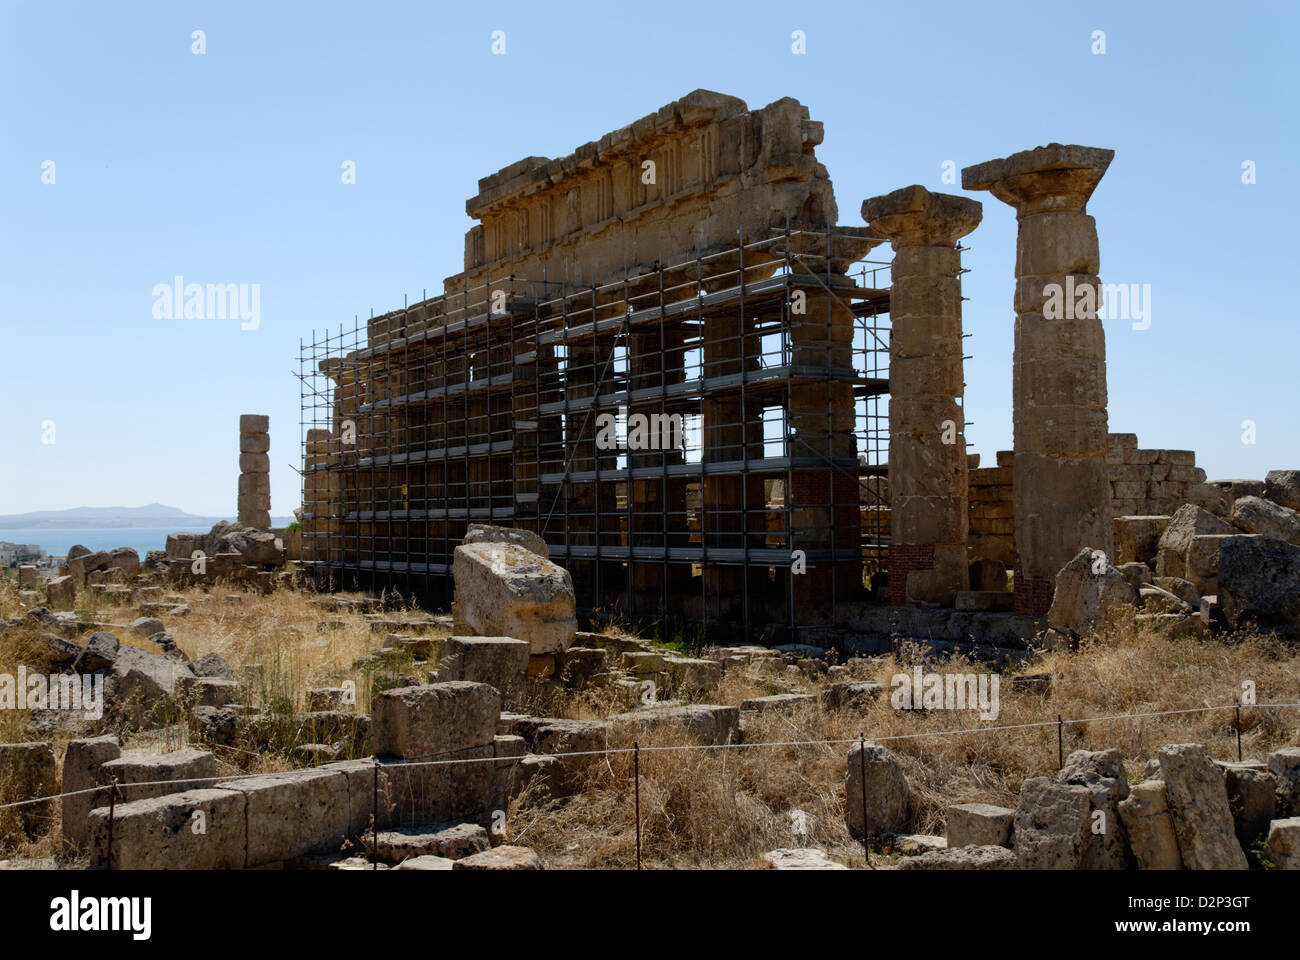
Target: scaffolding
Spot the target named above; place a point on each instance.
(702, 444)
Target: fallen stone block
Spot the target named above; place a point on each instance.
(1268, 519)
(800, 858)
(779, 703)
(1150, 827)
(699, 722)
(1284, 764)
(1259, 581)
(1087, 588)
(1051, 825)
(1198, 801)
(82, 761)
(157, 774)
(450, 841)
(327, 698)
(1283, 488)
(500, 662)
(504, 857)
(426, 863)
(61, 593)
(1102, 772)
(963, 858)
(984, 600)
(293, 813)
(206, 691)
(433, 720)
(503, 590)
(884, 806)
(194, 830)
(693, 676)
(1282, 848)
(1252, 797)
(28, 771)
(1137, 539)
(979, 825)
(485, 533)
(915, 844)
(850, 694)
(580, 665)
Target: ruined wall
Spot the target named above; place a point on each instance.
(992, 512)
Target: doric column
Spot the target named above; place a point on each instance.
(1062, 489)
(927, 436)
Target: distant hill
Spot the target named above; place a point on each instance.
(150, 515)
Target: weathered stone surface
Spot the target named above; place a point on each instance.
(1284, 764)
(206, 691)
(146, 627)
(1137, 539)
(1268, 519)
(963, 858)
(212, 665)
(126, 559)
(800, 858)
(293, 813)
(27, 771)
(504, 857)
(692, 675)
(1282, 848)
(850, 694)
(1150, 827)
(580, 664)
(779, 703)
(1051, 825)
(1087, 588)
(1259, 580)
(1198, 801)
(500, 662)
(143, 683)
(252, 544)
(250, 423)
(1283, 487)
(1184, 590)
(158, 833)
(61, 593)
(157, 774)
(1102, 772)
(449, 841)
(887, 796)
(82, 761)
(1252, 797)
(504, 590)
(98, 653)
(979, 825)
(426, 863)
(701, 722)
(441, 718)
(1188, 521)
(486, 533)
(915, 844)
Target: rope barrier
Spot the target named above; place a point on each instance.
(612, 751)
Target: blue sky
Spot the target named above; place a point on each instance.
(225, 168)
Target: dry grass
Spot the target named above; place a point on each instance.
(724, 808)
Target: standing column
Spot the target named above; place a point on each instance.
(254, 471)
(927, 435)
(1062, 487)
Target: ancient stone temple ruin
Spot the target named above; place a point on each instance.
(667, 358)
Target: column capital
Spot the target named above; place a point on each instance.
(913, 217)
(1057, 178)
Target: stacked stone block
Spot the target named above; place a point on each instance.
(927, 434)
(1153, 482)
(992, 512)
(1062, 489)
(254, 471)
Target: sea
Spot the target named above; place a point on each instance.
(56, 542)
